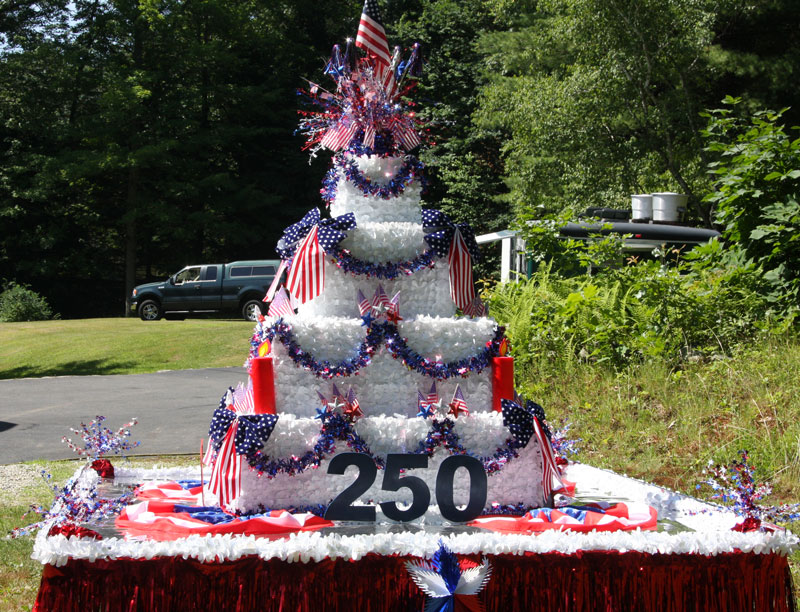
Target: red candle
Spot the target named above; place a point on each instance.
(263, 379)
(502, 381)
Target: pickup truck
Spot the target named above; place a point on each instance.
(239, 287)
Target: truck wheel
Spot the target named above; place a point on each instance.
(150, 310)
(251, 310)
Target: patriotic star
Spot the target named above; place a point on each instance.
(457, 408)
(367, 320)
(353, 411)
(426, 410)
(323, 413)
(335, 404)
(393, 316)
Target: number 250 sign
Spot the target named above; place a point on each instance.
(342, 508)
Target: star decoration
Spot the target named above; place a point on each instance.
(456, 409)
(393, 316)
(367, 320)
(425, 411)
(323, 413)
(353, 411)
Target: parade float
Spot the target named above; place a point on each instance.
(377, 456)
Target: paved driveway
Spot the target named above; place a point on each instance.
(173, 408)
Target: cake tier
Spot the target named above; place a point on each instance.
(519, 481)
(385, 386)
(405, 207)
(424, 292)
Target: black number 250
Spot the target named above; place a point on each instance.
(342, 508)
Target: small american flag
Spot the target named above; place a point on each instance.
(458, 404)
(462, 288)
(339, 136)
(226, 474)
(281, 306)
(433, 394)
(363, 303)
(551, 474)
(476, 308)
(380, 299)
(306, 277)
(371, 36)
(275, 282)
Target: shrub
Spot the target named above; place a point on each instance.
(635, 313)
(757, 194)
(21, 303)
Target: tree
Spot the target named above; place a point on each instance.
(602, 98)
(463, 162)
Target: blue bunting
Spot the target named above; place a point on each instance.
(440, 232)
(252, 432)
(330, 232)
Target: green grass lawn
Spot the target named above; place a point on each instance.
(120, 346)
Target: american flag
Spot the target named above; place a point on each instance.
(306, 277)
(380, 299)
(243, 402)
(462, 289)
(408, 137)
(339, 136)
(551, 474)
(458, 404)
(275, 282)
(371, 36)
(394, 303)
(226, 475)
(433, 394)
(281, 306)
(363, 303)
(476, 308)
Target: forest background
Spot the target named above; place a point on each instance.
(140, 136)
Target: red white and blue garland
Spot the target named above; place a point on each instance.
(336, 426)
(345, 261)
(411, 170)
(378, 334)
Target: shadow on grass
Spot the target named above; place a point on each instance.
(69, 368)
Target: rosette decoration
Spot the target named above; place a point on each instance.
(306, 243)
(236, 432)
(524, 422)
(457, 243)
(451, 586)
(364, 112)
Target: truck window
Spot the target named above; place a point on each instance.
(263, 270)
(211, 273)
(240, 271)
(188, 275)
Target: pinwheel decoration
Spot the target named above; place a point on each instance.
(451, 586)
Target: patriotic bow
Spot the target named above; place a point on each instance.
(449, 584)
(457, 242)
(519, 419)
(330, 232)
(252, 430)
(443, 230)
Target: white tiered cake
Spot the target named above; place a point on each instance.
(363, 344)
(330, 328)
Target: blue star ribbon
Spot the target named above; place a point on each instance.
(330, 233)
(519, 419)
(252, 432)
(439, 232)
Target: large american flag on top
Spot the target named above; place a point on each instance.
(371, 36)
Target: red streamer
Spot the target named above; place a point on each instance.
(553, 582)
